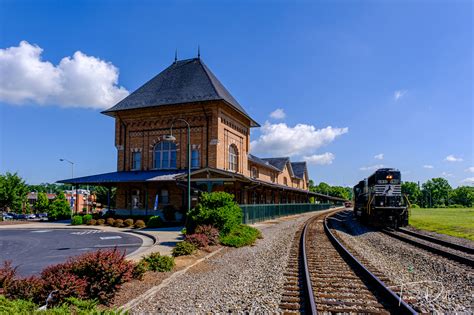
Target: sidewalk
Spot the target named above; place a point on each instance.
(161, 240)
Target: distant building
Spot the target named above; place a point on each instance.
(151, 171)
(87, 201)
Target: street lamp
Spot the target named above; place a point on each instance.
(72, 176)
(170, 137)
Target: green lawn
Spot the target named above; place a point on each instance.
(457, 222)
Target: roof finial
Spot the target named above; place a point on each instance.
(176, 55)
(199, 52)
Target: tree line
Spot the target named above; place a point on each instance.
(334, 191)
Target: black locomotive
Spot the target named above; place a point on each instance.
(378, 199)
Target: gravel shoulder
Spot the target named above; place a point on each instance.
(247, 279)
(438, 284)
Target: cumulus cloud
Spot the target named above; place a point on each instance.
(371, 168)
(452, 158)
(320, 159)
(77, 81)
(468, 181)
(379, 156)
(399, 94)
(278, 113)
(428, 166)
(470, 169)
(283, 140)
(446, 174)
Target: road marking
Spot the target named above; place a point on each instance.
(41, 231)
(87, 232)
(118, 245)
(110, 237)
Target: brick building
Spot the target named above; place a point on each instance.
(151, 171)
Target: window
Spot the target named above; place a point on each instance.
(285, 181)
(254, 172)
(165, 155)
(136, 161)
(165, 199)
(233, 158)
(195, 158)
(272, 177)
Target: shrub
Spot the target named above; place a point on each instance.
(87, 218)
(7, 275)
(92, 222)
(156, 262)
(100, 222)
(218, 209)
(183, 248)
(59, 208)
(104, 271)
(198, 240)
(169, 212)
(16, 306)
(139, 224)
(211, 232)
(76, 220)
(60, 277)
(128, 222)
(110, 221)
(155, 222)
(243, 235)
(30, 288)
(118, 223)
(139, 270)
(414, 205)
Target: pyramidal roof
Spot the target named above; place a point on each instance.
(184, 81)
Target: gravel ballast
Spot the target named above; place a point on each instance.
(247, 279)
(438, 284)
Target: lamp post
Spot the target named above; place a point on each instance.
(72, 176)
(170, 137)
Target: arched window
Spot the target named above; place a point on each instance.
(233, 158)
(165, 155)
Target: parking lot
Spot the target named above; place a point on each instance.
(33, 249)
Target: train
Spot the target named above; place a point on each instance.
(378, 199)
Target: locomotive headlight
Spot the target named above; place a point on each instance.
(381, 203)
(389, 177)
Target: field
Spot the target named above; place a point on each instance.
(457, 222)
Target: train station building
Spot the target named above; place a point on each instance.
(152, 169)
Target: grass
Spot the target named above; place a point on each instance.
(243, 235)
(457, 222)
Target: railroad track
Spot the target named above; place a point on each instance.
(323, 276)
(454, 252)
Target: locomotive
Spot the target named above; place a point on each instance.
(378, 199)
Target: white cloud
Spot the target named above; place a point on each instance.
(278, 113)
(452, 158)
(283, 140)
(469, 181)
(428, 166)
(399, 94)
(446, 174)
(470, 169)
(371, 168)
(320, 159)
(379, 156)
(77, 81)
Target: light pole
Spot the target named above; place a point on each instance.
(72, 176)
(170, 137)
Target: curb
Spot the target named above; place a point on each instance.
(155, 240)
(131, 304)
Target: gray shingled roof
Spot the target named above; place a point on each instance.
(299, 168)
(259, 161)
(184, 81)
(279, 162)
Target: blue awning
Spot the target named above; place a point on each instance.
(121, 177)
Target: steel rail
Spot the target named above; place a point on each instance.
(392, 298)
(458, 247)
(308, 287)
(461, 259)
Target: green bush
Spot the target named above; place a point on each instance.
(217, 209)
(139, 224)
(243, 235)
(183, 248)
(86, 218)
(139, 270)
(155, 222)
(414, 205)
(128, 223)
(156, 262)
(76, 220)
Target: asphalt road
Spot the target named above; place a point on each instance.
(32, 250)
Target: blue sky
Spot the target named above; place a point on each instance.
(389, 77)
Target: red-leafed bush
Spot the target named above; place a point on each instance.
(7, 275)
(30, 288)
(60, 277)
(198, 240)
(211, 232)
(104, 271)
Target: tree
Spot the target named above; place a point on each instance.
(59, 208)
(42, 203)
(101, 193)
(13, 192)
(463, 195)
(412, 191)
(436, 192)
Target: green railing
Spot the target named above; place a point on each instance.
(262, 212)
